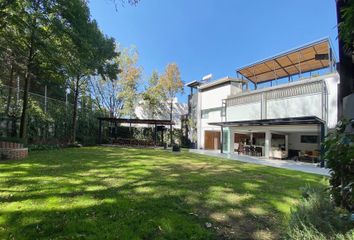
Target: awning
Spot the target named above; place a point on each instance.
(268, 122)
(136, 121)
(310, 57)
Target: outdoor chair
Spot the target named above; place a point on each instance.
(247, 150)
(258, 151)
(252, 151)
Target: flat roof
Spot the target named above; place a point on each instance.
(309, 57)
(267, 122)
(220, 82)
(136, 121)
(193, 84)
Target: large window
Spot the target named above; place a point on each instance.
(309, 139)
(211, 111)
(205, 114)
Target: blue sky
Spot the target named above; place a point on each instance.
(214, 36)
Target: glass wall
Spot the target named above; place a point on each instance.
(226, 140)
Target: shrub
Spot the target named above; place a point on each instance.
(311, 233)
(40, 147)
(315, 217)
(339, 155)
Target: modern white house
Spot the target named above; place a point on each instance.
(163, 112)
(280, 107)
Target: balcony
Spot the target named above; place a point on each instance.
(307, 97)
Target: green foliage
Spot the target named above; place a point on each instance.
(340, 159)
(346, 27)
(311, 233)
(315, 217)
(129, 79)
(41, 147)
(153, 97)
(170, 82)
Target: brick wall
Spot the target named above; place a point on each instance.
(10, 150)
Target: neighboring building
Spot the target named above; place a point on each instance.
(163, 113)
(280, 121)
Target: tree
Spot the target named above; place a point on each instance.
(30, 31)
(346, 25)
(128, 79)
(339, 155)
(91, 52)
(345, 18)
(171, 84)
(51, 42)
(152, 96)
(106, 94)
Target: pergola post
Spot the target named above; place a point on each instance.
(99, 131)
(130, 132)
(155, 135)
(221, 140)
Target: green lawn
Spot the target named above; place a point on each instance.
(115, 193)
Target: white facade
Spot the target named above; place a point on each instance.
(310, 97)
(209, 104)
(179, 109)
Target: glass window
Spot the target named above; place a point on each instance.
(205, 114)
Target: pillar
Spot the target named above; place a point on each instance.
(232, 141)
(222, 140)
(99, 131)
(267, 143)
(155, 135)
(287, 144)
(322, 148)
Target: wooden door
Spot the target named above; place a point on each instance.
(211, 140)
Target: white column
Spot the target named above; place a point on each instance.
(286, 143)
(267, 143)
(232, 140)
(199, 124)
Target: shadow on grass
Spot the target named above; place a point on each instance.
(113, 193)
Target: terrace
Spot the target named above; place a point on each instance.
(287, 88)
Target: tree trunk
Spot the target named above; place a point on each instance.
(346, 66)
(76, 95)
(23, 123)
(171, 129)
(7, 110)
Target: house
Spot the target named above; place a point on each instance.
(163, 112)
(280, 107)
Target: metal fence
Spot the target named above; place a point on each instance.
(49, 119)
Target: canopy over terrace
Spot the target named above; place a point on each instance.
(131, 121)
(285, 123)
(307, 58)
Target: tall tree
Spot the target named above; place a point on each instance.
(152, 96)
(171, 84)
(29, 29)
(91, 52)
(129, 78)
(345, 18)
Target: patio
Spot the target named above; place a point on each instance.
(285, 164)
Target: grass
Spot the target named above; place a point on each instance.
(121, 193)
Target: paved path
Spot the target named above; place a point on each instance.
(287, 164)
